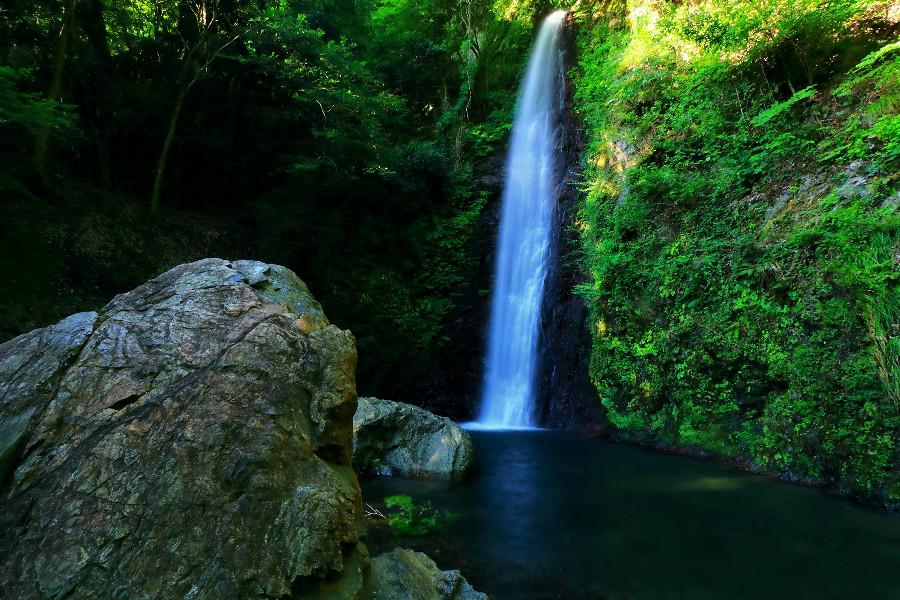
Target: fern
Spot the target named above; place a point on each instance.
(777, 109)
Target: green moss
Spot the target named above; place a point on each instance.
(743, 268)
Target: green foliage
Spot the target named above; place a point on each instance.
(780, 107)
(873, 133)
(744, 287)
(345, 139)
(26, 111)
(406, 517)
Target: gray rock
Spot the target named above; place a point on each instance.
(190, 440)
(397, 439)
(31, 366)
(407, 575)
(352, 583)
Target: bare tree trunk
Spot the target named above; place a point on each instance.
(191, 73)
(787, 73)
(167, 146)
(43, 137)
(95, 84)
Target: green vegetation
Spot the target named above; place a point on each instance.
(345, 139)
(405, 517)
(740, 227)
(739, 218)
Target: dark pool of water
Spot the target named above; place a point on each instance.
(557, 515)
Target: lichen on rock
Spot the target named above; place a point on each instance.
(393, 438)
(189, 440)
(407, 575)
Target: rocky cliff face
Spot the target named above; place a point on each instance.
(452, 387)
(190, 440)
(567, 399)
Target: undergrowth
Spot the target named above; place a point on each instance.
(740, 228)
(406, 517)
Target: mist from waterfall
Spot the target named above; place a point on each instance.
(523, 249)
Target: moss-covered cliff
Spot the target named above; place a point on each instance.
(739, 227)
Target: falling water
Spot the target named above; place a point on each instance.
(523, 249)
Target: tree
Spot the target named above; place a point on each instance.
(200, 32)
(59, 64)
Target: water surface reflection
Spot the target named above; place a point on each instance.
(556, 515)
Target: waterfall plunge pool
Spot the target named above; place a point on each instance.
(548, 514)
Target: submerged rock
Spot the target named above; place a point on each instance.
(397, 439)
(192, 439)
(407, 575)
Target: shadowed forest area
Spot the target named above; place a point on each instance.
(354, 141)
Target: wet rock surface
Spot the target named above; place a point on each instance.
(567, 399)
(397, 439)
(408, 575)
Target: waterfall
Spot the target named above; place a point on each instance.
(526, 222)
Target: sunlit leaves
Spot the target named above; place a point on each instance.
(736, 316)
(130, 22)
(776, 109)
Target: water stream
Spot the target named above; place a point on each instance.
(526, 222)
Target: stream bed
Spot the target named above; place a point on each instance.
(550, 514)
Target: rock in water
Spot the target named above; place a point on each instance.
(407, 575)
(190, 440)
(393, 438)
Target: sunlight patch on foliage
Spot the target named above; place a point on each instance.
(738, 228)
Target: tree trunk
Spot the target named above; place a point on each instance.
(164, 155)
(43, 137)
(191, 72)
(95, 85)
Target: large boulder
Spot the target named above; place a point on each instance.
(192, 439)
(407, 575)
(397, 439)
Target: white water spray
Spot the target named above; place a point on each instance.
(529, 197)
